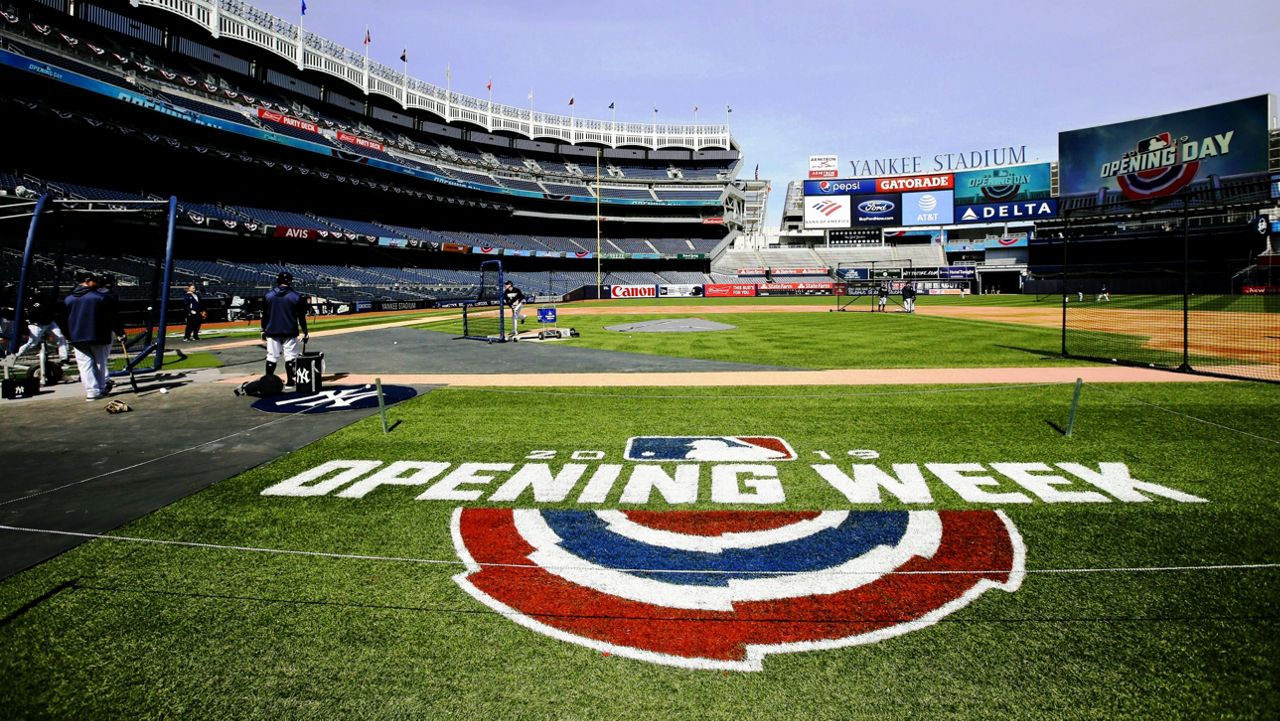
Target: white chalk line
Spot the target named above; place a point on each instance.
(459, 563)
(1188, 416)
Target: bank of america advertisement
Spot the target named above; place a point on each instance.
(832, 212)
(1161, 155)
(1003, 185)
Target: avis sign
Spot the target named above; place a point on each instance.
(726, 588)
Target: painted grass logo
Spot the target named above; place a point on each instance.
(723, 449)
(724, 589)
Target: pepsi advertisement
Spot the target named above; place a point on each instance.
(1003, 185)
(877, 210)
(848, 186)
(1159, 156)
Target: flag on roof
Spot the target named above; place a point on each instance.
(304, 7)
(367, 38)
(404, 55)
(728, 109)
(489, 85)
(611, 104)
(695, 108)
(571, 102)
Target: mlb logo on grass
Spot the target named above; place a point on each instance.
(715, 449)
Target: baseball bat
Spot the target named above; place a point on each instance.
(133, 382)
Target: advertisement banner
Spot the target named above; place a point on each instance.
(486, 250)
(387, 242)
(691, 256)
(1009, 212)
(680, 291)
(291, 121)
(824, 166)
(729, 290)
(915, 183)
(799, 271)
(856, 186)
(795, 289)
(715, 220)
(548, 254)
(1159, 156)
(932, 208)
(878, 210)
(633, 291)
(957, 272)
(1003, 185)
(284, 231)
(647, 256)
(885, 273)
(613, 256)
(752, 271)
(832, 212)
(455, 248)
(357, 140)
(854, 273)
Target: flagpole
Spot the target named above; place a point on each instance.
(599, 277)
(448, 90)
(366, 59)
(405, 79)
(301, 16)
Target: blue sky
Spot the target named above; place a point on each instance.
(858, 79)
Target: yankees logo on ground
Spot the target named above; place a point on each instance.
(723, 589)
(337, 398)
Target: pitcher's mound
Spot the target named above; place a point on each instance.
(671, 325)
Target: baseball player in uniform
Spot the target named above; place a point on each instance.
(284, 312)
(514, 298)
(909, 297)
(882, 296)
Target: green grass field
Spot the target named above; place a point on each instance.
(120, 629)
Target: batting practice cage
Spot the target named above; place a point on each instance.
(127, 243)
(1186, 283)
(485, 317)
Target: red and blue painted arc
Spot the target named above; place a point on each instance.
(962, 554)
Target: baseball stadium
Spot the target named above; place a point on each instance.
(557, 423)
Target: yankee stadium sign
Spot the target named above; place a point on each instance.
(941, 163)
(723, 589)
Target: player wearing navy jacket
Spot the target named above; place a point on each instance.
(284, 312)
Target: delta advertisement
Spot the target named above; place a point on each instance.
(1159, 156)
(1003, 185)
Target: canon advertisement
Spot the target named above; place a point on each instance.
(633, 291)
(1159, 156)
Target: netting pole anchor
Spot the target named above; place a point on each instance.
(382, 405)
(1075, 405)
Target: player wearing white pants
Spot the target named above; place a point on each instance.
(94, 376)
(514, 298)
(38, 332)
(276, 347)
(284, 314)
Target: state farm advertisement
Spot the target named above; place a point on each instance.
(633, 291)
(357, 140)
(800, 271)
(729, 290)
(288, 120)
(795, 289)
